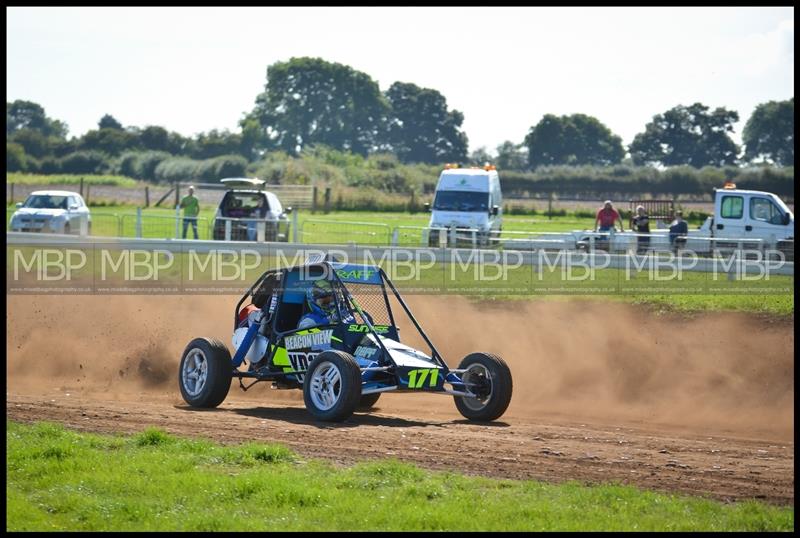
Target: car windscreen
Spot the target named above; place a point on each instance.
(41, 201)
(461, 201)
(244, 204)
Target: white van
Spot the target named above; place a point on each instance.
(467, 207)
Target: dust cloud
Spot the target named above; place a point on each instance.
(573, 359)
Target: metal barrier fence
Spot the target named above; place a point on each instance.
(243, 229)
(345, 232)
(106, 225)
(334, 232)
(163, 227)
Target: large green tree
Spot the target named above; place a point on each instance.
(310, 101)
(215, 143)
(480, 156)
(109, 122)
(769, 133)
(109, 140)
(511, 156)
(421, 128)
(29, 115)
(688, 135)
(154, 138)
(576, 139)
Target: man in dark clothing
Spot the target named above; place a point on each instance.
(678, 229)
(641, 224)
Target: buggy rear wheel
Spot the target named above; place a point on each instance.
(332, 386)
(205, 372)
(489, 378)
(368, 401)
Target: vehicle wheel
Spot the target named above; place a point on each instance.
(368, 401)
(787, 247)
(433, 238)
(494, 238)
(205, 372)
(489, 377)
(332, 386)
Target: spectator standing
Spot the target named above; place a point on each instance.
(606, 217)
(678, 229)
(641, 224)
(191, 208)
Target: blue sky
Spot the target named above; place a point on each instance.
(195, 69)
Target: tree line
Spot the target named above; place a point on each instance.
(309, 102)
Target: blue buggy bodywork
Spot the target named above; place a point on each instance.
(386, 363)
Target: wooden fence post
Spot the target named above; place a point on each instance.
(177, 194)
(12, 192)
(146, 196)
(314, 201)
(81, 186)
(327, 200)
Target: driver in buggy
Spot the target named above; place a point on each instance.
(322, 305)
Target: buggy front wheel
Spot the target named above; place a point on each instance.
(488, 377)
(368, 401)
(332, 386)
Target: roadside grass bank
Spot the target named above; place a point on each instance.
(59, 479)
(69, 179)
(107, 268)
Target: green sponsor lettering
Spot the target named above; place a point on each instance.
(359, 275)
(380, 329)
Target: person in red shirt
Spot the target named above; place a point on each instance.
(606, 217)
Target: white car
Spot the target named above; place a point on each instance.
(60, 212)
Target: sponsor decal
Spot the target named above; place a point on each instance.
(417, 378)
(303, 341)
(355, 328)
(365, 352)
(300, 361)
(355, 274)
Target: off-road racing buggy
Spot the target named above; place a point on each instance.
(343, 365)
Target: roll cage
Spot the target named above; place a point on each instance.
(270, 289)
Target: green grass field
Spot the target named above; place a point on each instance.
(69, 179)
(61, 480)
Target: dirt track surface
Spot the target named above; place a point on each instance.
(602, 392)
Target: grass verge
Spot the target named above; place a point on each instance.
(69, 179)
(58, 479)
